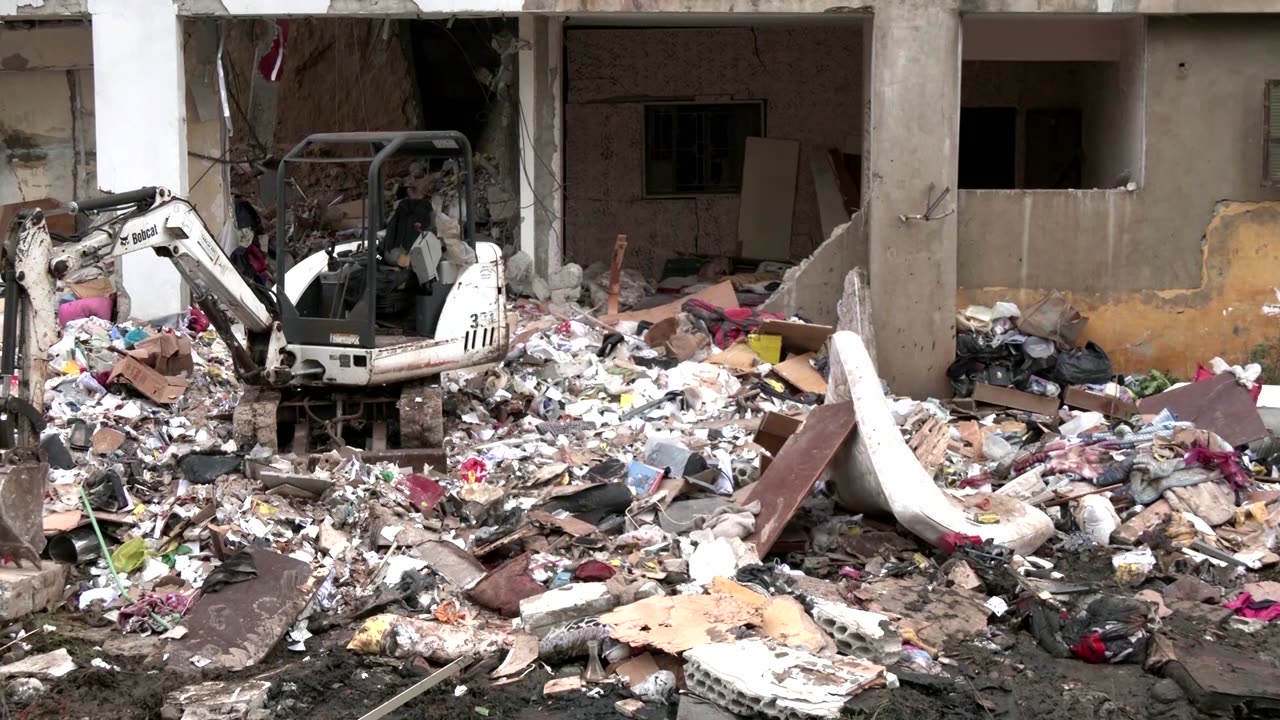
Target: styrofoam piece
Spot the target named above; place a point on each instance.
(756, 676)
(859, 633)
(880, 474)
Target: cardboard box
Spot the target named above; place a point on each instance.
(1016, 399)
(170, 355)
(798, 337)
(97, 287)
(1108, 405)
(773, 433)
(159, 388)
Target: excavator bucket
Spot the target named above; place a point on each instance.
(22, 511)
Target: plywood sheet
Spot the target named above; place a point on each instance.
(768, 198)
(831, 208)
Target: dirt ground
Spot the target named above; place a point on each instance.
(1003, 673)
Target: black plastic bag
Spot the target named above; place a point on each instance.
(1088, 365)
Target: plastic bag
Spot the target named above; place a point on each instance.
(1088, 365)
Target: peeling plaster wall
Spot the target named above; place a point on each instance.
(46, 114)
(1203, 127)
(1174, 330)
(810, 77)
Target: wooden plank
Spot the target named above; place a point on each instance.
(1016, 399)
(768, 198)
(721, 295)
(831, 209)
(790, 477)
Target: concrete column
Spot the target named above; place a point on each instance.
(541, 119)
(915, 125)
(141, 127)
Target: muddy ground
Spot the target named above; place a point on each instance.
(1003, 673)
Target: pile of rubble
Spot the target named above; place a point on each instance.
(694, 504)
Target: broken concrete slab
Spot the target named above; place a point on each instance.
(46, 666)
(879, 473)
(859, 633)
(756, 676)
(451, 562)
(27, 590)
(570, 602)
(245, 700)
(237, 626)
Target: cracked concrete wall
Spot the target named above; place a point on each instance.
(46, 115)
(1231, 312)
(810, 77)
(1204, 129)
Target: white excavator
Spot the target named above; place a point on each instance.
(345, 347)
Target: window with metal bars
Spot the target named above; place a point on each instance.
(697, 148)
(1271, 127)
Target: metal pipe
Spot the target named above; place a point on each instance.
(78, 547)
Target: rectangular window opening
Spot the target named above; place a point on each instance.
(697, 148)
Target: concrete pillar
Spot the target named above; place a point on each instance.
(915, 125)
(141, 127)
(541, 118)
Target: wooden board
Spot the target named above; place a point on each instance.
(790, 477)
(768, 198)
(721, 295)
(797, 371)
(831, 208)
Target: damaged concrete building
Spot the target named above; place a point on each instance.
(985, 149)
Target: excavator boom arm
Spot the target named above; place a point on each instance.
(172, 228)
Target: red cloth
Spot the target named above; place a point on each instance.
(1090, 648)
(594, 571)
(199, 322)
(1244, 606)
(1223, 461)
(952, 541)
(272, 61)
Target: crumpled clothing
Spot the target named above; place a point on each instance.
(1110, 630)
(1149, 478)
(731, 521)
(1244, 606)
(141, 616)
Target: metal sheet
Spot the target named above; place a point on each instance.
(1219, 405)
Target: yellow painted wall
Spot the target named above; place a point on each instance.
(1174, 330)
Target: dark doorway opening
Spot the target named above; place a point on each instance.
(988, 147)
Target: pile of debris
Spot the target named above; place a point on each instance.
(694, 504)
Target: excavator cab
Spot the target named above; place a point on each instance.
(389, 285)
